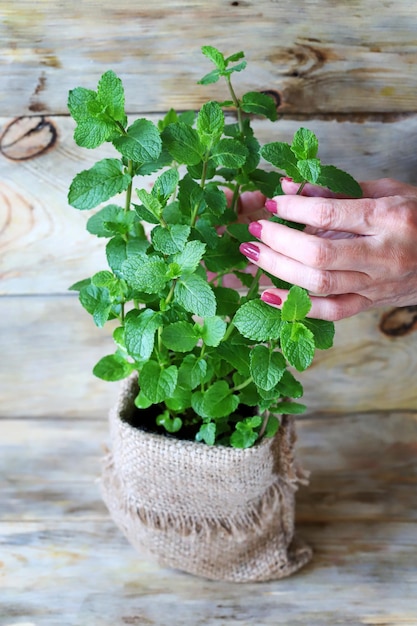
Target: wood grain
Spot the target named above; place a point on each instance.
(329, 57)
(358, 513)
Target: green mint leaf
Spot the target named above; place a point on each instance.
(215, 199)
(111, 95)
(217, 401)
(190, 195)
(227, 300)
(140, 328)
(180, 400)
(97, 302)
(113, 367)
(297, 343)
(113, 220)
(230, 153)
(272, 426)
(192, 371)
(225, 256)
(146, 274)
(189, 258)
(236, 68)
(210, 123)
(244, 435)
(253, 158)
(171, 424)
(93, 132)
(80, 284)
(289, 408)
(213, 330)
(157, 382)
(305, 144)
(170, 239)
(282, 157)
(215, 56)
(150, 202)
(339, 181)
(236, 56)
(207, 433)
(98, 184)
(78, 103)
(196, 296)
(180, 336)
(144, 169)
(165, 185)
(268, 183)
(141, 401)
(170, 118)
(290, 387)
(183, 143)
(235, 355)
(258, 321)
(116, 254)
(310, 170)
(141, 144)
(266, 367)
(323, 332)
(211, 77)
(259, 104)
(296, 306)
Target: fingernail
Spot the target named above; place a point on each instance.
(286, 178)
(255, 229)
(250, 250)
(271, 206)
(271, 298)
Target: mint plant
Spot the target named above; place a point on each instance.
(211, 360)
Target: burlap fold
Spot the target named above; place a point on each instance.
(212, 511)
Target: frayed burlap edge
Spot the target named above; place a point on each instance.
(240, 528)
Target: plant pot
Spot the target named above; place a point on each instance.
(212, 511)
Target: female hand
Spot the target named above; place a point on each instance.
(354, 254)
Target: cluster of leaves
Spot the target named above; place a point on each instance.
(202, 351)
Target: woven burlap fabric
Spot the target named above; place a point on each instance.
(212, 511)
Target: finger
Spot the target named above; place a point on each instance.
(321, 282)
(331, 309)
(289, 187)
(352, 215)
(385, 187)
(314, 250)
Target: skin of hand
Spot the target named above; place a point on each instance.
(354, 254)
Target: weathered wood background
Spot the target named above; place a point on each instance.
(348, 72)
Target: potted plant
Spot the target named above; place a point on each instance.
(201, 469)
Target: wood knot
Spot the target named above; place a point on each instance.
(275, 95)
(27, 137)
(399, 322)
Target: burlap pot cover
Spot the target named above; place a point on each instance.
(212, 511)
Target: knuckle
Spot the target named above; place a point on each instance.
(321, 282)
(323, 255)
(327, 214)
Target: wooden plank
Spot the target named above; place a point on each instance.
(50, 345)
(363, 571)
(44, 246)
(325, 58)
(77, 573)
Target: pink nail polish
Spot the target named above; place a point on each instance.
(271, 298)
(271, 206)
(255, 229)
(286, 178)
(250, 250)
